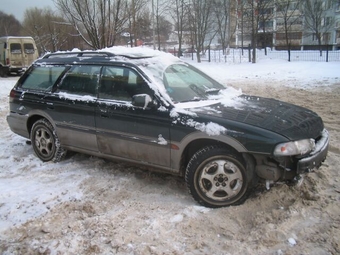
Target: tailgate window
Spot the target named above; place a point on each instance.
(42, 78)
(28, 48)
(15, 48)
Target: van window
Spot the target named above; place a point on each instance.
(81, 80)
(42, 78)
(28, 48)
(15, 48)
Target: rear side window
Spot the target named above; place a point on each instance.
(28, 48)
(15, 48)
(42, 78)
(81, 80)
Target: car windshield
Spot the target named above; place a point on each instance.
(175, 80)
(185, 83)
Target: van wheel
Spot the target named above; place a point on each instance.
(45, 142)
(217, 177)
(3, 72)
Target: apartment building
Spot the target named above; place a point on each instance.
(277, 24)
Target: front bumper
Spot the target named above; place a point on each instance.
(17, 69)
(315, 158)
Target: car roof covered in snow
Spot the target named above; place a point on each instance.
(107, 55)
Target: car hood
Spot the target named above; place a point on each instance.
(291, 121)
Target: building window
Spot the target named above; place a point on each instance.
(267, 11)
(295, 35)
(293, 6)
(291, 36)
(267, 24)
(338, 34)
(326, 21)
(314, 37)
(326, 37)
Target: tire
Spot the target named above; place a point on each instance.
(45, 142)
(3, 72)
(217, 177)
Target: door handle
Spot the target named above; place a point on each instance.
(50, 106)
(103, 113)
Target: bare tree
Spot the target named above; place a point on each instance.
(249, 23)
(265, 9)
(143, 25)
(98, 22)
(318, 19)
(164, 28)
(257, 13)
(160, 8)
(135, 10)
(222, 10)
(179, 13)
(200, 23)
(47, 28)
(9, 25)
(288, 12)
(254, 30)
(243, 19)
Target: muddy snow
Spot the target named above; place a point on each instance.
(88, 205)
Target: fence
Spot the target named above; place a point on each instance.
(239, 56)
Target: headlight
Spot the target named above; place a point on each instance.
(294, 148)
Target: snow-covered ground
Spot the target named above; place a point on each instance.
(309, 74)
(87, 205)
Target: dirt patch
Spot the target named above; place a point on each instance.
(126, 210)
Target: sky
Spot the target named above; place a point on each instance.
(18, 7)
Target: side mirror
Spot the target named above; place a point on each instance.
(143, 101)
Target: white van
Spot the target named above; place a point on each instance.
(16, 54)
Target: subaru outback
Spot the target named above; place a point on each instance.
(152, 109)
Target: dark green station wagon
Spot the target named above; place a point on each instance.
(152, 109)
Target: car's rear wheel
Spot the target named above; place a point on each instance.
(45, 141)
(217, 177)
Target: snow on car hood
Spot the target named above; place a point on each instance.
(294, 122)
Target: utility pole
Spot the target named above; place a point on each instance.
(153, 25)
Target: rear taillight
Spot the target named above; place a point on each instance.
(11, 96)
(7, 61)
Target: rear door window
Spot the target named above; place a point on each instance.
(28, 48)
(15, 48)
(42, 78)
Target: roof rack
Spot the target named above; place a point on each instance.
(79, 54)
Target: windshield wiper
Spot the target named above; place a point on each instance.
(197, 90)
(195, 99)
(212, 91)
(202, 92)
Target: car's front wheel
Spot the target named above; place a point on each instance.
(217, 177)
(45, 141)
